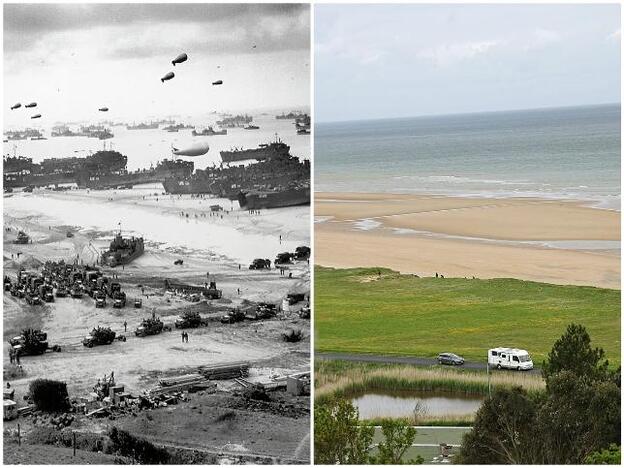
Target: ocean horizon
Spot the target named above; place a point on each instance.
(569, 153)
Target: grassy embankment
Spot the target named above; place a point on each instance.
(357, 311)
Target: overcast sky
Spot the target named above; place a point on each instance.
(74, 58)
(377, 61)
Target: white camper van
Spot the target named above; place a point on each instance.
(509, 358)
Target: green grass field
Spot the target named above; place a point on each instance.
(356, 311)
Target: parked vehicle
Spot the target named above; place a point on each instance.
(233, 316)
(450, 359)
(510, 358)
(260, 264)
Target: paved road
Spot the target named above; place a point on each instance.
(413, 361)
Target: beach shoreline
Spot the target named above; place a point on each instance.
(544, 240)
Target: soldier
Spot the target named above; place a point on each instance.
(125, 326)
(183, 337)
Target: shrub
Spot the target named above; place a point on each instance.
(49, 395)
(140, 450)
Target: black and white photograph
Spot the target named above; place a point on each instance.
(156, 179)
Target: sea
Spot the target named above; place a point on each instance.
(570, 153)
(146, 147)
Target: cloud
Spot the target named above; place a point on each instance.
(277, 26)
(448, 54)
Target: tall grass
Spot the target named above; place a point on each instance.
(342, 380)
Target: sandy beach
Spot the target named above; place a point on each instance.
(560, 242)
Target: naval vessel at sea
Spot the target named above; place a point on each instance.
(264, 151)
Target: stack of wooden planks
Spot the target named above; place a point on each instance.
(225, 371)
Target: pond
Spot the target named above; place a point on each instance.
(379, 404)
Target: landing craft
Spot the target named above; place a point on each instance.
(32, 104)
(218, 82)
(193, 150)
(16, 106)
(167, 77)
(103, 109)
(36, 116)
(179, 59)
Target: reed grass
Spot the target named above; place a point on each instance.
(337, 379)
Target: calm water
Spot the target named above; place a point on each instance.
(403, 404)
(569, 153)
(145, 147)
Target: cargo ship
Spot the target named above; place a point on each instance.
(279, 198)
(235, 121)
(122, 250)
(290, 116)
(175, 128)
(63, 131)
(264, 151)
(209, 131)
(143, 126)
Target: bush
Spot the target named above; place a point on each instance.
(140, 450)
(49, 395)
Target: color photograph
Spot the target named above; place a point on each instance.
(467, 234)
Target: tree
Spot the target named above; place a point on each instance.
(398, 437)
(503, 432)
(339, 437)
(573, 352)
(578, 417)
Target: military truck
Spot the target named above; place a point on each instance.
(61, 291)
(265, 310)
(76, 291)
(233, 316)
(189, 319)
(22, 238)
(119, 299)
(31, 343)
(138, 303)
(99, 336)
(260, 264)
(284, 258)
(151, 326)
(100, 299)
(7, 283)
(212, 292)
(32, 298)
(46, 292)
(302, 252)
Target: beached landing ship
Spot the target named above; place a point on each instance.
(260, 200)
(123, 250)
(276, 148)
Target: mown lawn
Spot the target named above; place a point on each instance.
(358, 311)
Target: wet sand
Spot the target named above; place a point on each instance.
(559, 242)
